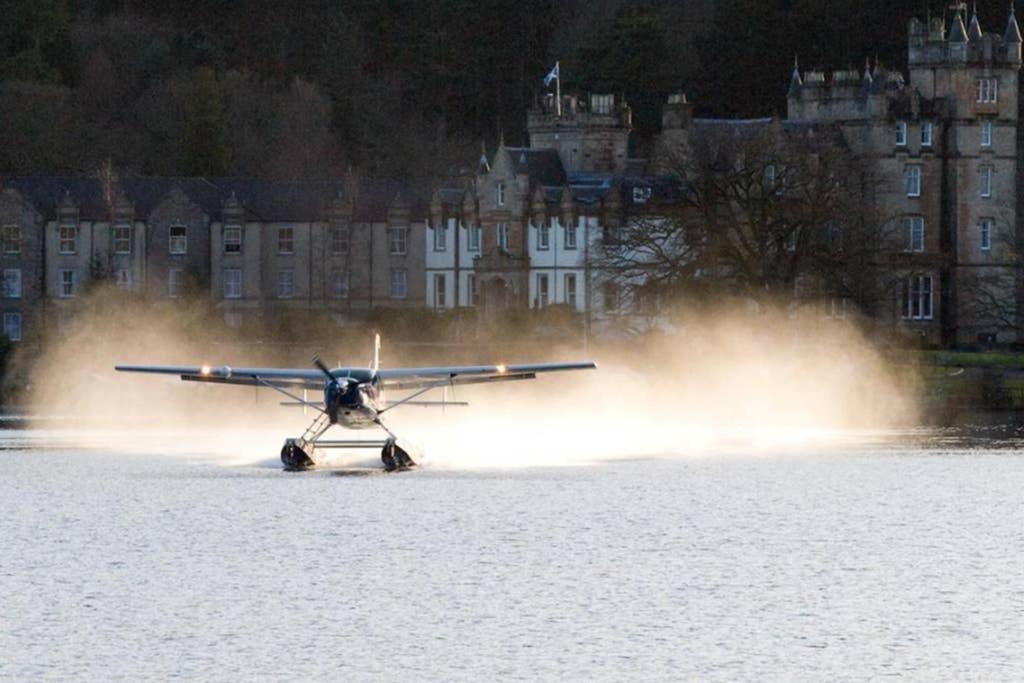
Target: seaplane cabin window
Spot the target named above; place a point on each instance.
(501, 230)
(123, 278)
(12, 283)
(917, 300)
(985, 234)
(339, 284)
(901, 133)
(440, 237)
(285, 284)
(927, 130)
(912, 178)
(570, 235)
(913, 227)
(543, 295)
(232, 239)
(12, 239)
(12, 326)
(570, 290)
(473, 238)
(286, 240)
(232, 283)
(544, 235)
(68, 282)
(122, 238)
(988, 90)
(985, 186)
(68, 238)
(339, 239)
(178, 239)
(173, 282)
(986, 133)
(396, 240)
(398, 284)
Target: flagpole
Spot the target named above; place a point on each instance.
(558, 89)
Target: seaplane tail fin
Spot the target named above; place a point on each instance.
(376, 352)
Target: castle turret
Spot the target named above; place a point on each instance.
(591, 138)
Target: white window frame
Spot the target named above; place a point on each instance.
(12, 283)
(12, 326)
(985, 233)
(986, 133)
(285, 240)
(912, 177)
(174, 283)
(499, 194)
(985, 182)
(339, 284)
(927, 133)
(914, 228)
(12, 238)
(472, 289)
(570, 290)
(232, 239)
(397, 240)
(901, 133)
(919, 304)
(473, 238)
(569, 236)
(988, 90)
(232, 283)
(544, 235)
(340, 239)
(440, 291)
(398, 283)
(67, 285)
(501, 235)
(121, 237)
(440, 237)
(543, 290)
(285, 283)
(177, 244)
(67, 238)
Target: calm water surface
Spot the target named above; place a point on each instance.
(902, 561)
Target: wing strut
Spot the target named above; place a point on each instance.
(433, 385)
(290, 395)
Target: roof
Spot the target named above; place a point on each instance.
(540, 165)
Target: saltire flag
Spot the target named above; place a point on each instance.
(551, 76)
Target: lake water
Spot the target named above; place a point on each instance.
(893, 558)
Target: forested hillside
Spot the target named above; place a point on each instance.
(390, 87)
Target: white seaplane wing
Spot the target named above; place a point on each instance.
(412, 378)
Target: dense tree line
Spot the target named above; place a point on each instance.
(389, 87)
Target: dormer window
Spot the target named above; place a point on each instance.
(68, 238)
(901, 133)
(499, 194)
(988, 90)
(122, 238)
(926, 134)
(232, 239)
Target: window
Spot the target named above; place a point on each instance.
(232, 239)
(914, 229)
(836, 307)
(233, 319)
(610, 294)
(440, 238)
(339, 284)
(988, 90)
(123, 278)
(474, 292)
(601, 104)
(986, 133)
(769, 175)
(285, 284)
(926, 134)
(440, 295)
(570, 290)
(12, 326)
(544, 235)
(396, 240)
(473, 238)
(398, 284)
(12, 239)
(985, 187)
(232, 283)
(901, 133)
(985, 230)
(178, 239)
(917, 304)
(12, 283)
(499, 194)
(502, 235)
(286, 240)
(68, 235)
(173, 282)
(641, 195)
(542, 290)
(68, 280)
(122, 239)
(913, 181)
(570, 236)
(339, 239)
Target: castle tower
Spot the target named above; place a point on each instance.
(589, 137)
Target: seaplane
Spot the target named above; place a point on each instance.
(354, 398)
